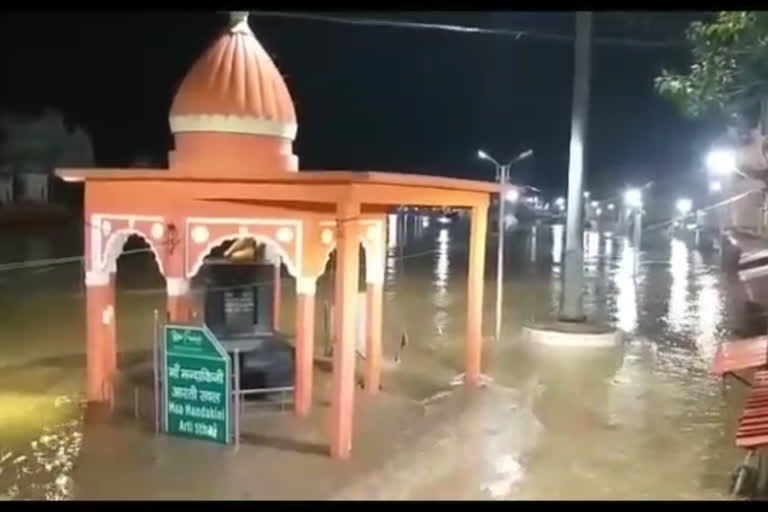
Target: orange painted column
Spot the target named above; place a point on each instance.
(474, 344)
(305, 344)
(276, 297)
(99, 312)
(345, 290)
(179, 303)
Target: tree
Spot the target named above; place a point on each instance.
(729, 74)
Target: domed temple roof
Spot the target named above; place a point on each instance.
(234, 87)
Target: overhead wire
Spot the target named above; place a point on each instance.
(465, 29)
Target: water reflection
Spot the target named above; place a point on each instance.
(626, 299)
(678, 293)
(392, 230)
(642, 416)
(557, 243)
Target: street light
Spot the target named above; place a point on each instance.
(512, 195)
(722, 162)
(684, 206)
(633, 198)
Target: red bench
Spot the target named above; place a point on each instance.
(752, 434)
(735, 356)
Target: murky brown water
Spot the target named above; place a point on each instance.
(642, 421)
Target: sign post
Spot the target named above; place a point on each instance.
(198, 382)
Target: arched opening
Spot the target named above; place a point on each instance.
(122, 304)
(240, 287)
(325, 313)
(139, 290)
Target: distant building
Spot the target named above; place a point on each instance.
(31, 148)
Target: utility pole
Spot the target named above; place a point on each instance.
(571, 304)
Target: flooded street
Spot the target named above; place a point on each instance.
(642, 421)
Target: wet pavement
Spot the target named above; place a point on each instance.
(641, 421)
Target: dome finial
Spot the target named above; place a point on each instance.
(237, 17)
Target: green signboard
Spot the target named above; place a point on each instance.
(197, 384)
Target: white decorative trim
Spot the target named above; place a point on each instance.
(200, 234)
(232, 124)
(119, 237)
(97, 239)
(96, 278)
(285, 235)
(292, 263)
(177, 286)
(306, 285)
(107, 315)
(157, 230)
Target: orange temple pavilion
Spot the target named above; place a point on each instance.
(233, 175)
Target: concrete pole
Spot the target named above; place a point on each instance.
(571, 305)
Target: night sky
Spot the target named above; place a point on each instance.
(373, 97)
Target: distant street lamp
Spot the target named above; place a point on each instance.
(684, 206)
(722, 162)
(512, 195)
(633, 198)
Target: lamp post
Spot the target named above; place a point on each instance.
(513, 194)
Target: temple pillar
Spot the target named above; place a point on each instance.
(277, 296)
(345, 290)
(474, 343)
(179, 302)
(374, 291)
(305, 344)
(101, 350)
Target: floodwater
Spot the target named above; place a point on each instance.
(641, 421)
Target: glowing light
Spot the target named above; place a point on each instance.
(557, 243)
(513, 195)
(626, 301)
(678, 296)
(424, 221)
(633, 198)
(482, 155)
(599, 211)
(392, 230)
(611, 206)
(444, 220)
(721, 162)
(715, 186)
(560, 202)
(586, 194)
(442, 263)
(594, 204)
(684, 205)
